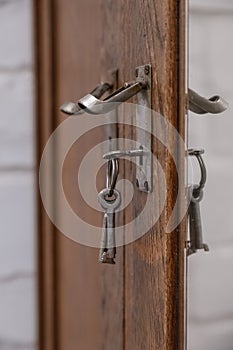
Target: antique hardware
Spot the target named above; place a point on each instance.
(143, 131)
(196, 195)
(142, 158)
(110, 200)
(112, 175)
(130, 153)
(74, 108)
(201, 105)
(144, 165)
(141, 86)
(108, 242)
(91, 103)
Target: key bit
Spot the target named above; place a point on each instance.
(108, 244)
(195, 227)
(105, 259)
(104, 256)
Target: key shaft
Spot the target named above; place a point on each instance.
(111, 239)
(108, 242)
(195, 227)
(103, 242)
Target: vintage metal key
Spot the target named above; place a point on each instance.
(195, 197)
(195, 224)
(108, 242)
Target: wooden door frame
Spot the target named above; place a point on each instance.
(45, 124)
(45, 61)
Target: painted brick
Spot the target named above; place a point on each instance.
(210, 5)
(211, 285)
(217, 205)
(17, 120)
(210, 73)
(17, 208)
(213, 336)
(16, 34)
(210, 325)
(16, 346)
(18, 311)
(17, 204)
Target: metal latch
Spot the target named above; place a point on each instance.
(91, 103)
(141, 87)
(196, 193)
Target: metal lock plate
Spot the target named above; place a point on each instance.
(144, 128)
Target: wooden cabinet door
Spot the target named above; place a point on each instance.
(138, 303)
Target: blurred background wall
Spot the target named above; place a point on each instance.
(211, 274)
(17, 178)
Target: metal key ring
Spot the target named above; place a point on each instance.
(197, 194)
(112, 175)
(109, 204)
(198, 154)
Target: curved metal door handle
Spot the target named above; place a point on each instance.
(92, 104)
(202, 105)
(74, 108)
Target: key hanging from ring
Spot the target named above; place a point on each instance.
(112, 175)
(109, 199)
(195, 196)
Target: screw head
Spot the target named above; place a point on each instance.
(195, 152)
(146, 186)
(147, 69)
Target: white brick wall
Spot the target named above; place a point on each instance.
(16, 123)
(210, 274)
(16, 34)
(17, 178)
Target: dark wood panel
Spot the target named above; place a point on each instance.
(44, 58)
(140, 32)
(89, 294)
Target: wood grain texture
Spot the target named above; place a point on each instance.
(89, 294)
(44, 83)
(140, 32)
(80, 301)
